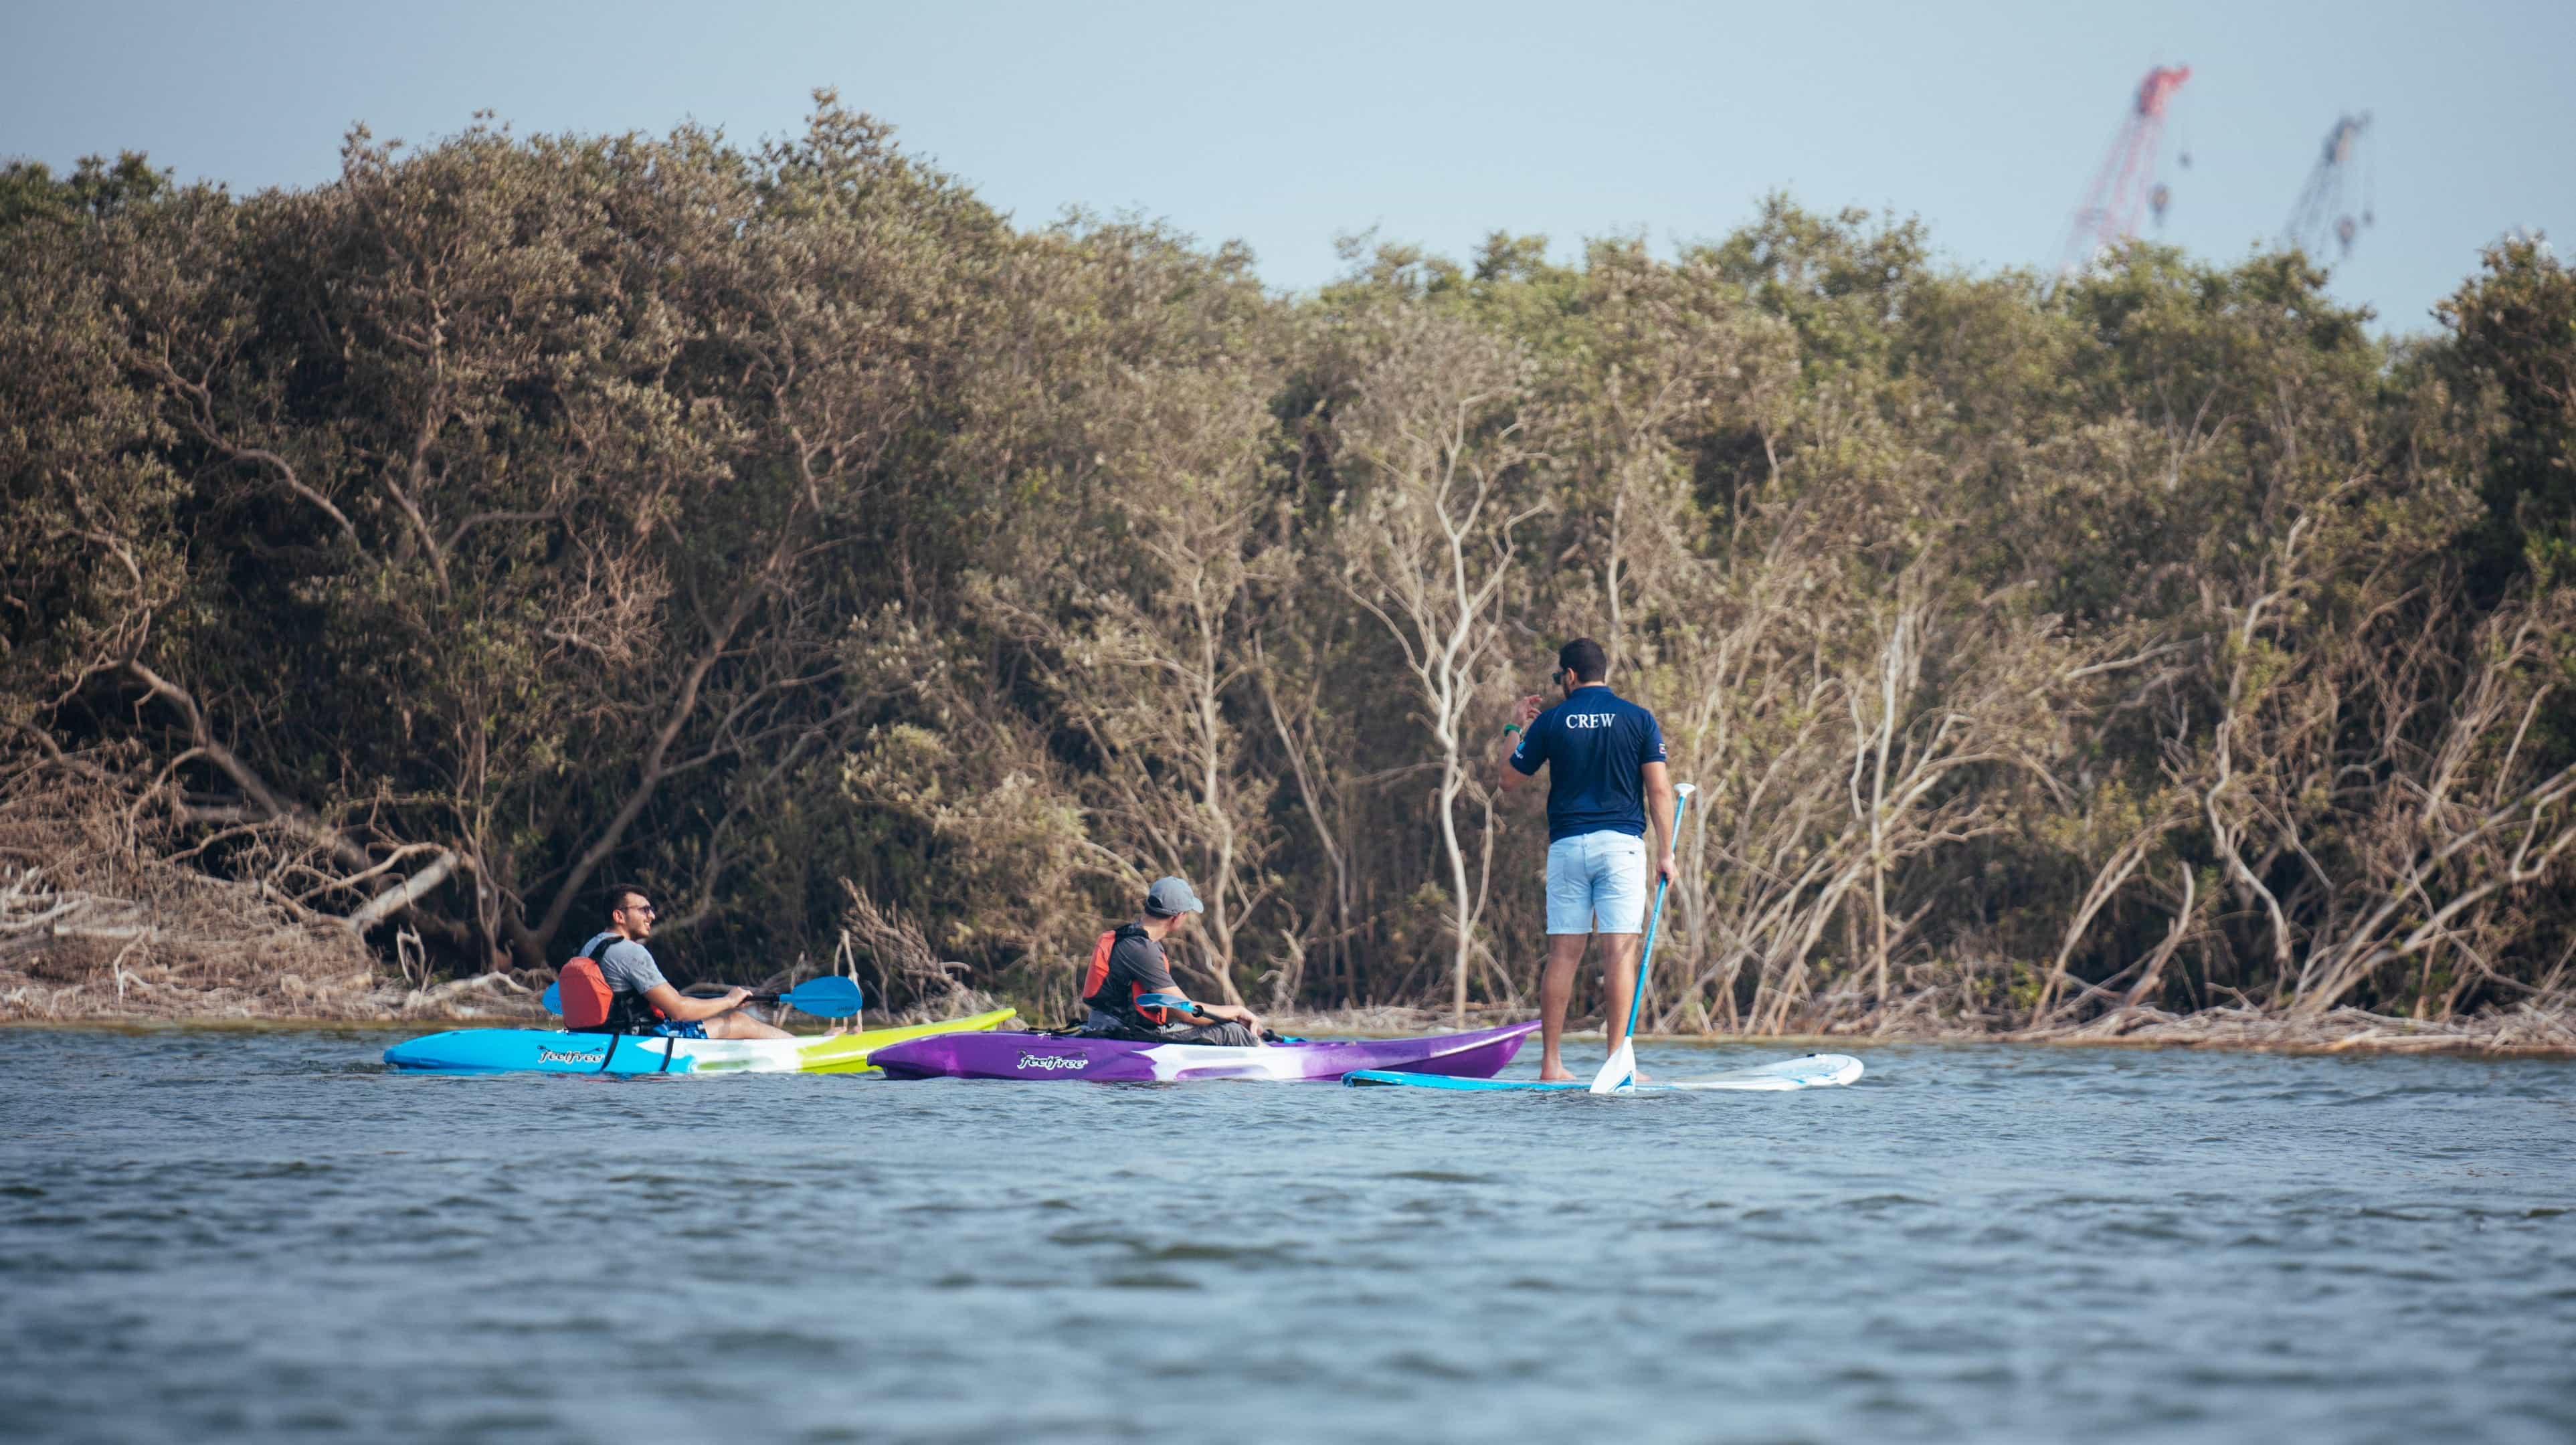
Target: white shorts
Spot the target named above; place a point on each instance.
(1596, 883)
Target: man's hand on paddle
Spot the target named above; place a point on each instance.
(1663, 810)
(1232, 1013)
(1507, 779)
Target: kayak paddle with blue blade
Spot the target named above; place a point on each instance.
(1619, 1072)
(1260, 1040)
(828, 997)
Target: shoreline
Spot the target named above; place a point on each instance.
(2529, 1034)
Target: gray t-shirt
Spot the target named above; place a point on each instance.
(627, 965)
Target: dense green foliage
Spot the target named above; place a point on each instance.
(874, 578)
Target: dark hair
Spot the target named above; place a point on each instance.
(617, 895)
(1585, 657)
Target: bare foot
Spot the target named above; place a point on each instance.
(1555, 1076)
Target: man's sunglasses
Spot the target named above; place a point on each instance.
(646, 909)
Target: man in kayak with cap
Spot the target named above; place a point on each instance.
(1129, 987)
(1605, 762)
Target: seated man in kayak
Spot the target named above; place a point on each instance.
(645, 1002)
(1129, 987)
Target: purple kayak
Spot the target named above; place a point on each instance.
(1477, 1055)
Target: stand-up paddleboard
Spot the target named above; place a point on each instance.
(1815, 1071)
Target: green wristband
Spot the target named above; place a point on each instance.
(1509, 728)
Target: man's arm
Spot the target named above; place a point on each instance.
(1221, 1012)
(681, 1009)
(1660, 799)
(1158, 981)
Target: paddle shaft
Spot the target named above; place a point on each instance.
(1646, 955)
(702, 993)
(827, 998)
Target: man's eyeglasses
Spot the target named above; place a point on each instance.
(646, 909)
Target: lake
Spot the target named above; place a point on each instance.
(226, 1234)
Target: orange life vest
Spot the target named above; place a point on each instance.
(1096, 978)
(590, 1005)
(587, 998)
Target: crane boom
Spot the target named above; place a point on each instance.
(2126, 182)
(2323, 207)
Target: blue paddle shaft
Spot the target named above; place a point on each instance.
(1647, 956)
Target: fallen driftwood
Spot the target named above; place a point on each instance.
(481, 995)
(34, 914)
(2522, 1030)
(183, 947)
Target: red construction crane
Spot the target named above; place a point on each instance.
(2127, 182)
(2324, 202)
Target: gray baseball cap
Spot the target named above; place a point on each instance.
(1170, 897)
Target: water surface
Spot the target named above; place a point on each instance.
(206, 1235)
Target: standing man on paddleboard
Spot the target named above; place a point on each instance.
(1605, 761)
(1129, 989)
(632, 975)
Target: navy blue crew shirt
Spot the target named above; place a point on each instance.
(1596, 745)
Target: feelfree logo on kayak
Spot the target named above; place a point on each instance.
(557, 1056)
(1053, 1061)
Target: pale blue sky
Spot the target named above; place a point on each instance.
(1284, 125)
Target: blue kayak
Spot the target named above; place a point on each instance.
(559, 1051)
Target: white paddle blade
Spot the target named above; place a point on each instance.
(1685, 789)
(1619, 1074)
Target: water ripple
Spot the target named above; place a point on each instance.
(248, 1236)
